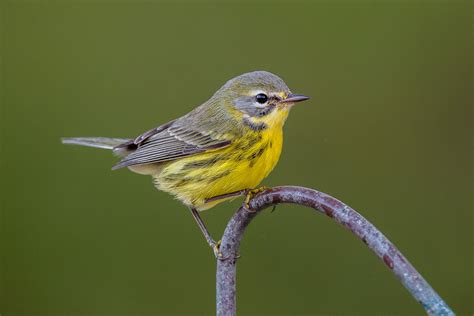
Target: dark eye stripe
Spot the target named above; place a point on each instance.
(250, 106)
(266, 110)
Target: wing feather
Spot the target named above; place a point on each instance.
(169, 142)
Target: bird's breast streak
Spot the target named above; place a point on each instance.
(242, 165)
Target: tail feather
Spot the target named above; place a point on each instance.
(97, 142)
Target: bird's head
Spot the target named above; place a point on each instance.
(261, 99)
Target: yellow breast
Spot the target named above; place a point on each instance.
(243, 165)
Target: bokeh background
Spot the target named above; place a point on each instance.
(388, 130)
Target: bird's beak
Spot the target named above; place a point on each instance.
(293, 98)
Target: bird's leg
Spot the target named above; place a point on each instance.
(227, 195)
(249, 194)
(214, 245)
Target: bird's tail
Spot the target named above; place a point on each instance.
(97, 142)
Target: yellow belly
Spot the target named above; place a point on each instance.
(243, 165)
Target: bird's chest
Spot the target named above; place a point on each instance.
(243, 165)
(248, 162)
(258, 160)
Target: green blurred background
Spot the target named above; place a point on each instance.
(388, 130)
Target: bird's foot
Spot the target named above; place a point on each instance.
(253, 192)
(216, 249)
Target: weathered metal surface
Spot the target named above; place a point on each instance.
(341, 213)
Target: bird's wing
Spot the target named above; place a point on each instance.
(171, 141)
(143, 137)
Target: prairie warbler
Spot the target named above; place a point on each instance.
(221, 149)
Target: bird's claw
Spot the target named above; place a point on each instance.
(216, 249)
(251, 193)
(217, 252)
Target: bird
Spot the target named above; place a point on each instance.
(219, 150)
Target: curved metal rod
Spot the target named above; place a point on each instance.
(341, 213)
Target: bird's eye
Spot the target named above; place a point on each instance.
(261, 98)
